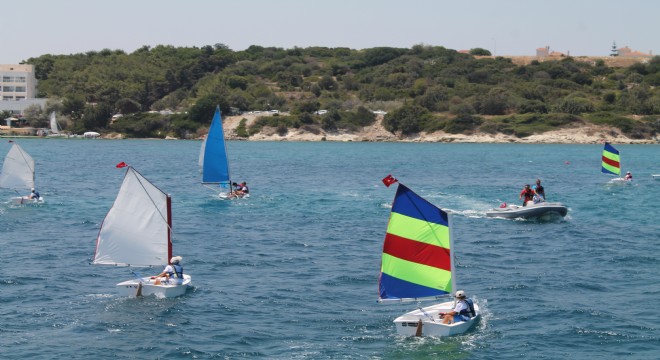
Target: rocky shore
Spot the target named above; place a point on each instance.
(587, 134)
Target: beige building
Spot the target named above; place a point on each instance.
(17, 82)
(18, 88)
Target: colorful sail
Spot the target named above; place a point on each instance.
(611, 160)
(417, 259)
(213, 155)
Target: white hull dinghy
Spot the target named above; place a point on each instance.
(129, 288)
(407, 324)
(418, 264)
(137, 232)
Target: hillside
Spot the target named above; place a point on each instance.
(426, 92)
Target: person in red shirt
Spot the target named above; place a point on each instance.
(527, 194)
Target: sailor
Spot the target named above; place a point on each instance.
(244, 188)
(463, 310)
(538, 188)
(34, 195)
(527, 194)
(173, 272)
(628, 176)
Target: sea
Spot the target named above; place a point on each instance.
(291, 272)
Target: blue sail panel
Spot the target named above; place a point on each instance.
(408, 203)
(391, 288)
(215, 168)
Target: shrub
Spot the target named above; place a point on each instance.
(463, 123)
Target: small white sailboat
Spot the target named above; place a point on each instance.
(418, 265)
(137, 232)
(55, 129)
(214, 162)
(18, 174)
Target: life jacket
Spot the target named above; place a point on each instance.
(528, 194)
(245, 189)
(469, 312)
(178, 271)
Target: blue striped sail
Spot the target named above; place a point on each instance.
(416, 261)
(215, 166)
(611, 162)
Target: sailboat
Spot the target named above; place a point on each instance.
(55, 129)
(418, 265)
(213, 159)
(611, 164)
(137, 232)
(18, 174)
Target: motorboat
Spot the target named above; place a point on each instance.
(531, 210)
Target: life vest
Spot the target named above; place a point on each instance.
(178, 271)
(469, 312)
(245, 189)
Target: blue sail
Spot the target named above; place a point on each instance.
(215, 166)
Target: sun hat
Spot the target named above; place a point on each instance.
(176, 259)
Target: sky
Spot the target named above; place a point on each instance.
(505, 27)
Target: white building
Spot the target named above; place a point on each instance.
(18, 88)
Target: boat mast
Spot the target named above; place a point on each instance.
(169, 228)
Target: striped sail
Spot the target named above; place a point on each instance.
(611, 161)
(213, 155)
(417, 259)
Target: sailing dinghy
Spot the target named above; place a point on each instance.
(611, 164)
(18, 174)
(418, 265)
(213, 160)
(137, 232)
(55, 129)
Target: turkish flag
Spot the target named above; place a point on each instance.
(121, 165)
(389, 180)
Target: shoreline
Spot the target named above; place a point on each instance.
(585, 134)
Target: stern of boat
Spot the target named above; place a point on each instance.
(406, 324)
(129, 288)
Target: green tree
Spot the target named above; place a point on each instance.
(480, 52)
(408, 119)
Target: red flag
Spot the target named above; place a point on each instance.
(121, 165)
(389, 180)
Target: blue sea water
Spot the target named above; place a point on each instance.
(292, 271)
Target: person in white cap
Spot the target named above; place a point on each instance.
(628, 176)
(463, 310)
(173, 272)
(34, 195)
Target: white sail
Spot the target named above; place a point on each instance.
(135, 232)
(201, 154)
(54, 129)
(17, 170)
